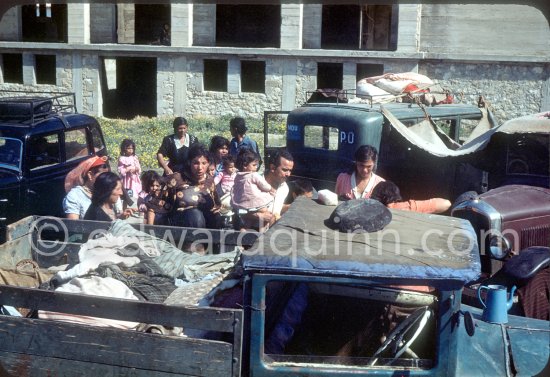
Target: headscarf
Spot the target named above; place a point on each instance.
(76, 176)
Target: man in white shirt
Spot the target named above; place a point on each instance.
(276, 174)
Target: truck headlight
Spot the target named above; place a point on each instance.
(499, 247)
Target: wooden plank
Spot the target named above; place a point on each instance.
(19, 228)
(55, 253)
(15, 250)
(123, 348)
(20, 365)
(211, 319)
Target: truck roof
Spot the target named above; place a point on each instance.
(413, 246)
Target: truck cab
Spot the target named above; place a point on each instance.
(322, 137)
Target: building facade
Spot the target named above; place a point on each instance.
(218, 59)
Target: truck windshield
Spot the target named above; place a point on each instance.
(352, 325)
(10, 153)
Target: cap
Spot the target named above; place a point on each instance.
(359, 215)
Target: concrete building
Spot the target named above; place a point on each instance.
(226, 59)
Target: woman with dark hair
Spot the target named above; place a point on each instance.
(106, 192)
(196, 202)
(175, 147)
(360, 180)
(388, 194)
(219, 148)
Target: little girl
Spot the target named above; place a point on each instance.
(129, 168)
(224, 182)
(251, 192)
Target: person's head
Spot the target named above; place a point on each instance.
(301, 187)
(107, 189)
(280, 167)
(229, 165)
(237, 126)
(148, 178)
(366, 157)
(127, 147)
(212, 169)
(198, 161)
(180, 126)
(219, 147)
(247, 160)
(100, 165)
(386, 192)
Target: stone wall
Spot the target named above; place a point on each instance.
(512, 89)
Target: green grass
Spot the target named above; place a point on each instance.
(147, 133)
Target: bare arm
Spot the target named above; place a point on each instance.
(163, 164)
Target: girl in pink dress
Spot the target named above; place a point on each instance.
(129, 168)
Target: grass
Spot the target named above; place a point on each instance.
(148, 133)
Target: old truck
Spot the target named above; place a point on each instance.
(305, 300)
(448, 148)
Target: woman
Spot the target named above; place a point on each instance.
(219, 148)
(196, 203)
(360, 180)
(106, 192)
(78, 185)
(175, 147)
(388, 194)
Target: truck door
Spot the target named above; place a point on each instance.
(275, 133)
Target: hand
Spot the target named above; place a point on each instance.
(126, 213)
(168, 171)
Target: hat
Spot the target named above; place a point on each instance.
(359, 215)
(76, 176)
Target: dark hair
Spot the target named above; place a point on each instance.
(245, 157)
(366, 152)
(104, 185)
(198, 150)
(226, 160)
(147, 179)
(179, 121)
(386, 192)
(125, 144)
(216, 143)
(300, 186)
(238, 124)
(275, 159)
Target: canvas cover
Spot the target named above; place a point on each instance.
(411, 246)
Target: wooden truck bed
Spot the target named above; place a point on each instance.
(39, 347)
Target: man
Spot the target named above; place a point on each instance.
(276, 174)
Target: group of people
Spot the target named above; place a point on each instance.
(201, 187)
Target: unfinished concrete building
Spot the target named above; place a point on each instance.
(124, 60)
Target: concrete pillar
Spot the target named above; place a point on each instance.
(408, 30)
(29, 72)
(204, 25)
(349, 79)
(126, 19)
(89, 80)
(312, 25)
(545, 97)
(10, 25)
(77, 80)
(78, 23)
(233, 75)
(291, 25)
(182, 25)
(288, 101)
(180, 85)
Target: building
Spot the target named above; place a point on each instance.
(231, 59)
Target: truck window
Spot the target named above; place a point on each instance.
(321, 137)
(10, 153)
(43, 151)
(75, 144)
(353, 325)
(97, 138)
(528, 155)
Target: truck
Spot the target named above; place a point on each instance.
(305, 299)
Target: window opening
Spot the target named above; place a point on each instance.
(248, 25)
(330, 75)
(75, 144)
(215, 75)
(43, 151)
(253, 76)
(152, 24)
(45, 69)
(44, 22)
(12, 65)
(369, 70)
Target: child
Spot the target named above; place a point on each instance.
(237, 127)
(251, 192)
(146, 179)
(299, 187)
(158, 202)
(129, 168)
(224, 182)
